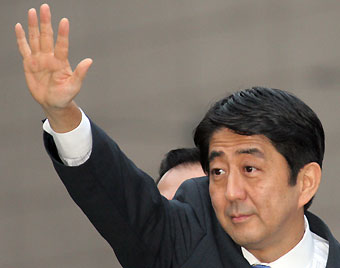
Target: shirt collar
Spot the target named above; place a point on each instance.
(300, 256)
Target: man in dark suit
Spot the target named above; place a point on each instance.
(261, 148)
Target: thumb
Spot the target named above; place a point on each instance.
(81, 70)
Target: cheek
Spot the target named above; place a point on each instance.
(263, 196)
(218, 199)
(273, 201)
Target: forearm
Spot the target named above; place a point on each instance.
(117, 197)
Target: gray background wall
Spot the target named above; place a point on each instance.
(158, 65)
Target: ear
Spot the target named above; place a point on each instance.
(309, 178)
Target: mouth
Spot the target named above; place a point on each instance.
(240, 218)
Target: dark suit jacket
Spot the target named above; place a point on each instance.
(143, 228)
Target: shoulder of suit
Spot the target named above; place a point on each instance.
(192, 189)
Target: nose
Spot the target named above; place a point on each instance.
(235, 187)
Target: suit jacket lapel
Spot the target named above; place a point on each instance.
(318, 227)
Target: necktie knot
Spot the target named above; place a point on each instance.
(260, 266)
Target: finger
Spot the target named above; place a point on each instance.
(81, 71)
(61, 46)
(46, 31)
(33, 31)
(21, 40)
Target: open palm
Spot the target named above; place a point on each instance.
(49, 76)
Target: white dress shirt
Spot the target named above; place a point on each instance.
(310, 252)
(75, 147)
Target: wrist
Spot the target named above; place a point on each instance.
(65, 119)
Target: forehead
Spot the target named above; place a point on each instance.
(226, 140)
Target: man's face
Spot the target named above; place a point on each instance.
(250, 193)
(174, 177)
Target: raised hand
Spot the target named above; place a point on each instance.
(48, 73)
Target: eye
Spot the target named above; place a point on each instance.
(250, 169)
(217, 172)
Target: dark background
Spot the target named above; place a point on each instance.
(158, 66)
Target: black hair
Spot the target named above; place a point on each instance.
(178, 157)
(293, 128)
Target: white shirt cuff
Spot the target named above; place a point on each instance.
(74, 147)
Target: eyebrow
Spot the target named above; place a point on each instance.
(252, 151)
(215, 154)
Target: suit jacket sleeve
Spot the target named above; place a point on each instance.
(125, 206)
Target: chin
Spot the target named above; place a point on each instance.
(247, 237)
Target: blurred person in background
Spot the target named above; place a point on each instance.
(177, 166)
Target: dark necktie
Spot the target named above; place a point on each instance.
(260, 266)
